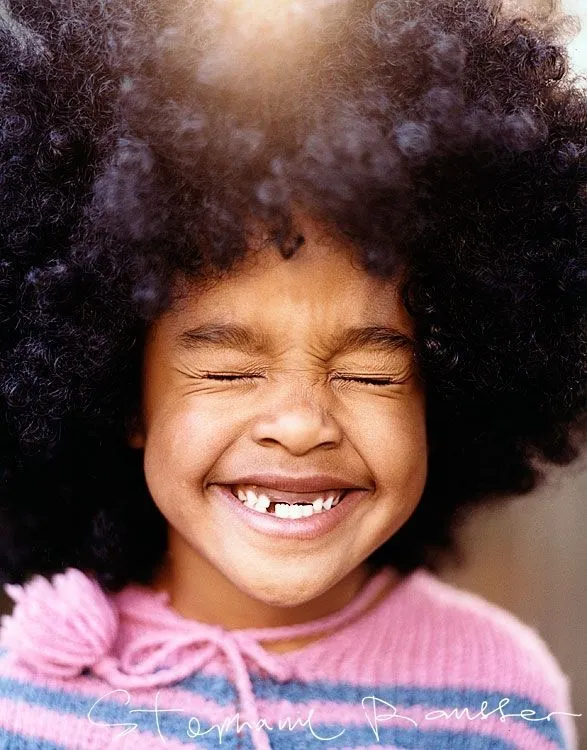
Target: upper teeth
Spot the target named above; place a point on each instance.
(260, 501)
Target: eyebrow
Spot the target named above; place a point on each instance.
(251, 341)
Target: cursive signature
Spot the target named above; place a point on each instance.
(377, 711)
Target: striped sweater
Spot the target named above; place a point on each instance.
(426, 666)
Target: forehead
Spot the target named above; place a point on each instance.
(322, 288)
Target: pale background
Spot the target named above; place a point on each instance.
(529, 556)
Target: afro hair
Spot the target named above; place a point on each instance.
(137, 140)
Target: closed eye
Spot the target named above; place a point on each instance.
(371, 381)
(230, 377)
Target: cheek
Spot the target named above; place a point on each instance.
(182, 444)
(392, 441)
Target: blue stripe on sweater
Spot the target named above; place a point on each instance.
(219, 690)
(405, 696)
(13, 741)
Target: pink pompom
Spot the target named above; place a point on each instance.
(59, 627)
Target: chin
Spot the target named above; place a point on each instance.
(284, 593)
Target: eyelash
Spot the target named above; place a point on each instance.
(252, 376)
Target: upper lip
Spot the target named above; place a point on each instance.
(308, 483)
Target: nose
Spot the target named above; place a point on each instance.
(298, 422)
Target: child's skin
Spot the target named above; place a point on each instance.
(291, 419)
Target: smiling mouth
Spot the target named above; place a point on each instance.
(287, 504)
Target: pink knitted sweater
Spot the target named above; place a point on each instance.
(429, 666)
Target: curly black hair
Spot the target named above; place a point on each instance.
(137, 140)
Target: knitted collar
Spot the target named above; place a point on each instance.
(134, 639)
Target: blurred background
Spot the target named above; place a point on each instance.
(530, 556)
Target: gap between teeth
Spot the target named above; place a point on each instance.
(261, 503)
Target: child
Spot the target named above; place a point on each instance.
(287, 290)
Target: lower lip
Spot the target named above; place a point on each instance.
(310, 527)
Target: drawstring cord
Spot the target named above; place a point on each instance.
(70, 624)
(136, 666)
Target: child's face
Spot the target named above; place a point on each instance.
(298, 414)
